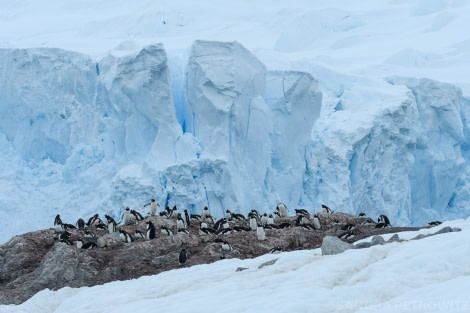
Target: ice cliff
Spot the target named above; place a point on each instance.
(79, 137)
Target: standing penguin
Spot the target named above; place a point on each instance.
(326, 209)
(205, 212)
(316, 222)
(111, 224)
(270, 220)
(253, 222)
(136, 216)
(264, 219)
(182, 257)
(94, 220)
(228, 215)
(126, 216)
(81, 223)
(174, 212)
(180, 222)
(153, 206)
(58, 225)
(150, 230)
(282, 210)
(383, 220)
(260, 234)
(186, 217)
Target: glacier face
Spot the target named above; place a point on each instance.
(79, 137)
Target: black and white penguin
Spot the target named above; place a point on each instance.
(67, 242)
(206, 231)
(284, 225)
(275, 250)
(183, 231)
(186, 217)
(203, 225)
(136, 216)
(435, 223)
(180, 222)
(239, 229)
(253, 222)
(68, 226)
(255, 214)
(238, 217)
(260, 233)
(174, 212)
(300, 220)
(326, 209)
(195, 217)
(301, 212)
(126, 217)
(316, 222)
(209, 219)
(182, 257)
(80, 223)
(166, 231)
(271, 226)
(264, 219)
(58, 225)
(384, 219)
(347, 235)
(228, 215)
(348, 227)
(89, 234)
(153, 207)
(125, 236)
(218, 223)
(111, 224)
(226, 246)
(223, 231)
(87, 245)
(101, 226)
(94, 220)
(139, 235)
(362, 214)
(64, 235)
(150, 230)
(166, 212)
(307, 226)
(270, 220)
(205, 212)
(282, 210)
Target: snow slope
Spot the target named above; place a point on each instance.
(363, 106)
(427, 275)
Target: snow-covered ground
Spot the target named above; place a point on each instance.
(426, 275)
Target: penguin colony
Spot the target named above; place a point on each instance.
(204, 224)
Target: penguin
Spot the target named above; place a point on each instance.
(166, 231)
(186, 217)
(335, 221)
(174, 212)
(299, 221)
(284, 225)
(307, 226)
(126, 216)
(225, 224)
(218, 224)
(180, 222)
(260, 234)
(384, 219)
(210, 219)
(206, 231)
(271, 226)
(101, 226)
(301, 212)
(150, 230)
(348, 227)
(368, 222)
(153, 207)
(239, 229)
(139, 235)
(67, 242)
(182, 257)
(68, 226)
(111, 224)
(89, 245)
(125, 236)
(435, 223)
(183, 230)
(58, 225)
(94, 220)
(79, 243)
(253, 222)
(264, 219)
(346, 236)
(326, 209)
(223, 231)
(275, 250)
(270, 220)
(136, 216)
(166, 212)
(238, 217)
(196, 217)
(205, 212)
(282, 210)
(226, 246)
(362, 214)
(64, 235)
(316, 222)
(203, 225)
(80, 223)
(89, 234)
(255, 214)
(228, 215)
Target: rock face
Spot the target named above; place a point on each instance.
(34, 261)
(333, 245)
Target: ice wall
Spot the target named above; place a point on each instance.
(79, 137)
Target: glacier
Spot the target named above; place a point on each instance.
(79, 136)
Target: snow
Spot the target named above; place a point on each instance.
(363, 106)
(426, 275)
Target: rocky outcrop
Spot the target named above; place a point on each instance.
(35, 261)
